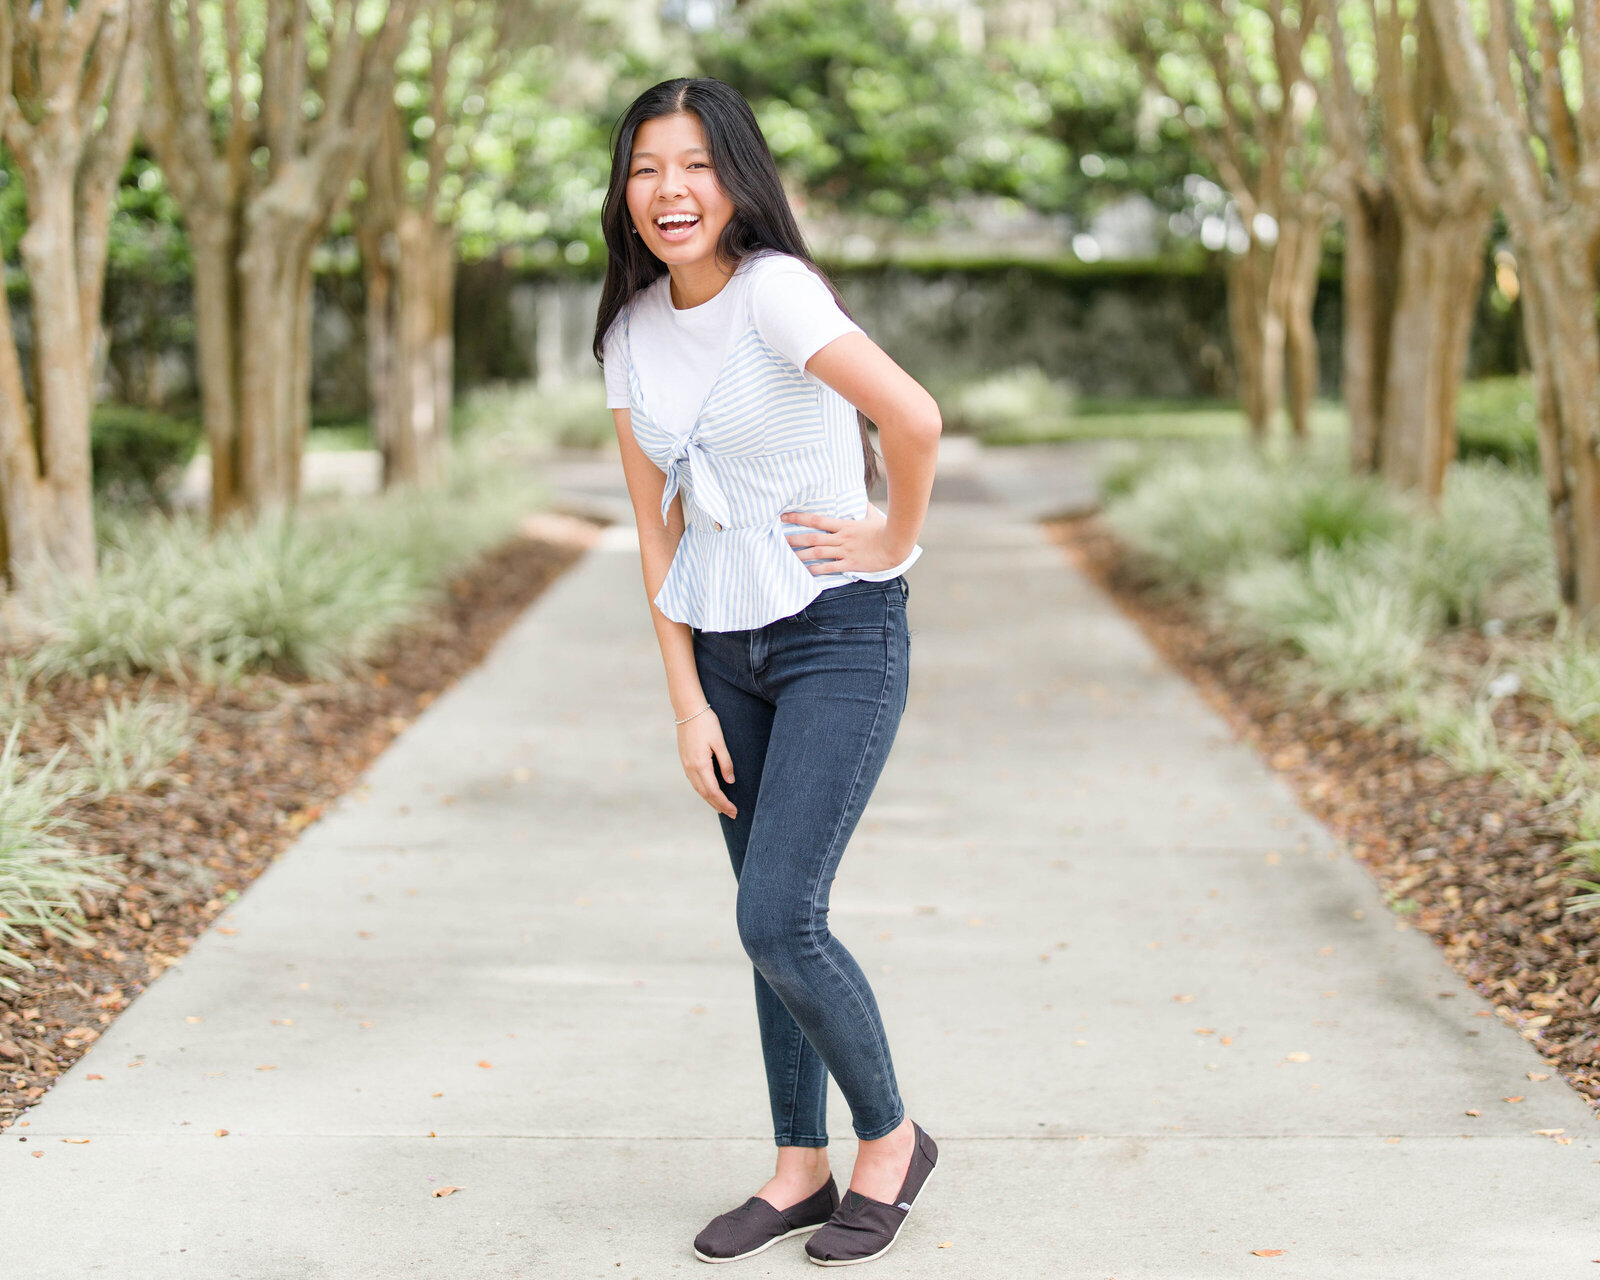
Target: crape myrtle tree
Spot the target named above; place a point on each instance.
(433, 162)
(1416, 202)
(876, 113)
(1528, 77)
(71, 80)
(1236, 71)
(261, 115)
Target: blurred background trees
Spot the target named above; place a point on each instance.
(347, 211)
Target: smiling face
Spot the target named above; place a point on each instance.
(673, 196)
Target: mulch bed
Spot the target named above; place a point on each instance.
(1465, 859)
(267, 756)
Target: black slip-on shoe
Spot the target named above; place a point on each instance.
(862, 1229)
(756, 1225)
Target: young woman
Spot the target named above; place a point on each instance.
(740, 390)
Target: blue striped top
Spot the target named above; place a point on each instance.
(767, 440)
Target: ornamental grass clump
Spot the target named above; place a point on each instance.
(130, 745)
(1567, 675)
(1195, 518)
(173, 598)
(1485, 553)
(1358, 631)
(42, 877)
(312, 591)
(1012, 407)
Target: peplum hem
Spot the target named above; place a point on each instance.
(742, 578)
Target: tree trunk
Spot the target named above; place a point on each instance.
(1565, 348)
(61, 367)
(410, 271)
(1304, 261)
(216, 308)
(1255, 352)
(1371, 238)
(1439, 269)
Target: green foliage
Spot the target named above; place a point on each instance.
(312, 591)
(1196, 518)
(1584, 855)
(870, 109)
(1487, 551)
(131, 743)
(1358, 631)
(1497, 418)
(1353, 581)
(1463, 734)
(1012, 407)
(1094, 93)
(41, 875)
(1567, 675)
(139, 455)
(574, 416)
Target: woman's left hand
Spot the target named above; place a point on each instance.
(844, 546)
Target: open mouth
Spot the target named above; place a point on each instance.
(677, 226)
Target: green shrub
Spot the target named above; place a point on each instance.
(1486, 553)
(1462, 734)
(1322, 506)
(1371, 637)
(1496, 419)
(1567, 675)
(1125, 470)
(575, 416)
(312, 591)
(1195, 518)
(41, 875)
(132, 742)
(139, 455)
(1016, 406)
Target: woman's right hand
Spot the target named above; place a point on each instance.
(701, 750)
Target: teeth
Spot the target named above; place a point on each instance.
(676, 220)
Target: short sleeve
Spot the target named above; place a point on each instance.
(618, 395)
(794, 311)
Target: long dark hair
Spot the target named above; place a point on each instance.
(762, 220)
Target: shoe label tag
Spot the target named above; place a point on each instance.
(904, 1205)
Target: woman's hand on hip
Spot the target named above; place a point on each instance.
(702, 750)
(844, 546)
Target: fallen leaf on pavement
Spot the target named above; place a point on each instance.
(1267, 1253)
(38, 1155)
(1183, 999)
(485, 1064)
(1474, 1112)
(945, 1244)
(220, 1133)
(1516, 1097)
(1548, 1133)
(78, 1142)
(1538, 1075)
(445, 1191)
(1299, 1055)
(94, 1076)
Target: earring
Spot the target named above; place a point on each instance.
(633, 228)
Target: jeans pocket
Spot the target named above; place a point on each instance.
(855, 606)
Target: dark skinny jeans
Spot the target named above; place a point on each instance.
(809, 706)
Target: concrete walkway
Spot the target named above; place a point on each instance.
(1155, 1019)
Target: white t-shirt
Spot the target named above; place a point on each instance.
(680, 352)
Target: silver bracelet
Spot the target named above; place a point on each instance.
(700, 712)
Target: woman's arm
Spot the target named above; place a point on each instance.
(909, 426)
(700, 739)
